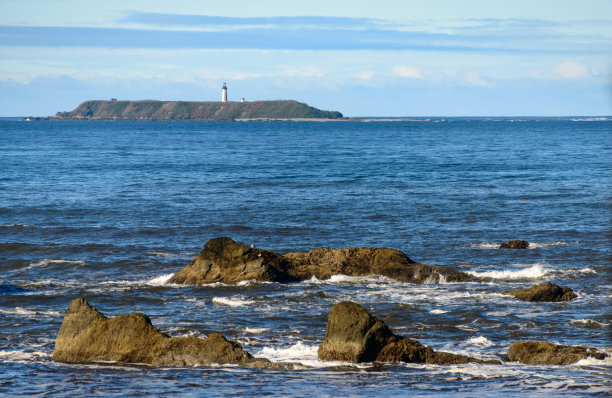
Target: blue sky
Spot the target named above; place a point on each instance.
(362, 58)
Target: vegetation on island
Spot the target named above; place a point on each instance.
(190, 110)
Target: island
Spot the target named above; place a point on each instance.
(149, 110)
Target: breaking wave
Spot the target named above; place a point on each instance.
(536, 271)
(232, 302)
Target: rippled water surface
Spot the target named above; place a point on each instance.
(109, 210)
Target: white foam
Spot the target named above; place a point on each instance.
(23, 356)
(484, 245)
(15, 225)
(535, 245)
(480, 341)
(47, 261)
(232, 302)
(590, 361)
(536, 271)
(30, 312)
(438, 311)
(256, 330)
(588, 323)
(160, 280)
(160, 254)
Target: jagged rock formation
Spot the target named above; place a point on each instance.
(224, 260)
(543, 292)
(544, 353)
(191, 110)
(514, 244)
(353, 335)
(86, 335)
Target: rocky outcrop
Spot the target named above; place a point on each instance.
(224, 260)
(353, 335)
(544, 353)
(543, 292)
(86, 335)
(514, 244)
(357, 261)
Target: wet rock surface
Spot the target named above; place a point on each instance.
(224, 260)
(544, 353)
(353, 335)
(544, 292)
(86, 335)
(514, 244)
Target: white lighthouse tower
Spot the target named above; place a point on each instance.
(224, 93)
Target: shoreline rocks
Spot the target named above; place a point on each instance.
(544, 292)
(353, 335)
(86, 335)
(545, 353)
(514, 244)
(223, 260)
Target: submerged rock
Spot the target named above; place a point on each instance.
(224, 260)
(514, 244)
(86, 335)
(543, 292)
(544, 353)
(353, 335)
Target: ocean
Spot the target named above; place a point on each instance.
(110, 210)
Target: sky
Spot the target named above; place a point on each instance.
(362, 58)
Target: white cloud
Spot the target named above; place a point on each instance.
(19, 78)
(571, 70)
(474, 78)
(407, 71)
(364, 75)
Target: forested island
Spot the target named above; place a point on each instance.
(196, 111)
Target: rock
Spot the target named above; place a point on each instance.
(353, 335)
(544, 353)
(323, 263)
(514, 244)
(543, 292)
(86, 335)
(224, 260)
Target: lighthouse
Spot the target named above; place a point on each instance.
(224, 93)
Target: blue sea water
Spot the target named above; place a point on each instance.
(110, 210)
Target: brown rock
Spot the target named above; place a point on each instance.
(323, 263)
(514, 244)
(224, 260)
(353, 335)
(543, 292)
(86, 335)
(544, 353)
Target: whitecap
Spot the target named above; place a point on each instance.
(590, 361)
(590, 323)
(160, 280)
(255, 330)
(160, 254)
(47, 261)
(480, 341)
(484, 245)
(232, 302)
(535, 245)
(438, 311)
(29, 312)
(536, 271)
(23, 356)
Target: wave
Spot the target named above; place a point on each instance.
(536, 271)
(438, 311)
(588, 323)
(23, 356)
(232, 302)
(255, 330)
(160, 280)
(30, 312)
(480, 341)
(47, 261)
(160, 254)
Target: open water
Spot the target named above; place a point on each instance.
(110, 210)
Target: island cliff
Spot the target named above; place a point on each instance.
(189, 110)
